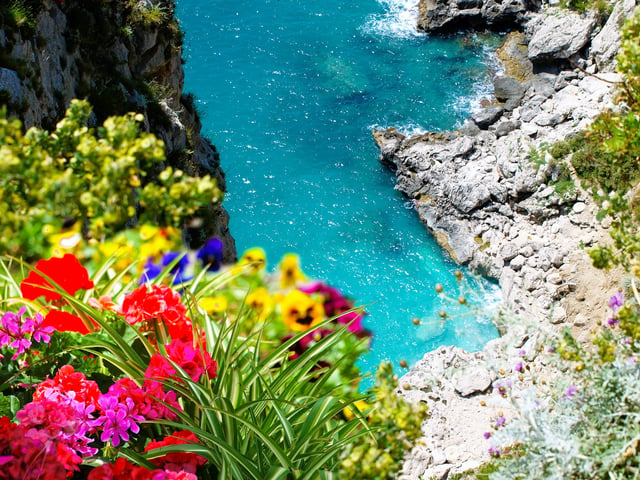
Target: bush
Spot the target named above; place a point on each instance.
(97, 179)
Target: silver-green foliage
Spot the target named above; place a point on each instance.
(592, 433)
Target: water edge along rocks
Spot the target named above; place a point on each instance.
(492, 208)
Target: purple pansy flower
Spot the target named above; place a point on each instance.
(211, 254)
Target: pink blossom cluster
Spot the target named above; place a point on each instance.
(20, 333)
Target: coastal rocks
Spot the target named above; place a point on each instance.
(508, 90)
(559, 34)
(443, 16)
(604, 46)
(487, 116)
(465, 393)
(488, 193)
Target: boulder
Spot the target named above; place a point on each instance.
(604, 47)
(560, 36)
(472, 381)
(508, 90)
(487, 116)
(501, 14)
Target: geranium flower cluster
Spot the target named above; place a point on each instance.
(20, 333)
(143, 306)
(69, 412)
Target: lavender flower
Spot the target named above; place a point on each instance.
(494, 451)
(571, 391)
(616, 301)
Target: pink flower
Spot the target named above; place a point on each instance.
(25, 456)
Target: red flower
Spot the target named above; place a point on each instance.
(177, 461)
(23, 455)
(161, 302)
(193, 362)
(68, 380)
(66, 272)
(65, 322)
(122, 469)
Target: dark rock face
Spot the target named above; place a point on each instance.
(78, 49)
(443, 16)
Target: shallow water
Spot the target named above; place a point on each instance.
(290, 91)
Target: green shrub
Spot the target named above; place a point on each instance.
(98, 179)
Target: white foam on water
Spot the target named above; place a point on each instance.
(399, 20)
(408, 129)
(472, 102)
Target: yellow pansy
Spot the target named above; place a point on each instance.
(254, 257)
(211, 305)
(300, 312)
(148, 231)
(290, 273)
(260, 301)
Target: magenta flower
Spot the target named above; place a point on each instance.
(571, 391)
(118, 419)
(60, 417)
(518, 367)
(19, 333)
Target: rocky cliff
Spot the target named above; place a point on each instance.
(497, 202)
(122, 55)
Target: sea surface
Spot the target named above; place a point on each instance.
(290, 91)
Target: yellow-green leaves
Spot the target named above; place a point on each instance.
(94, 177)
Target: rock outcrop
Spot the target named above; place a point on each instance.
(490, 194)
(122, 56)
(443, 16)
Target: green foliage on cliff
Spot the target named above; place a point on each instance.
(606, 155)
(102, 179)
(602, 8)
(395, 425)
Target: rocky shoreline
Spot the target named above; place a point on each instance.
(492, 208)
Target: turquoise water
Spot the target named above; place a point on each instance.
(290, 91)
